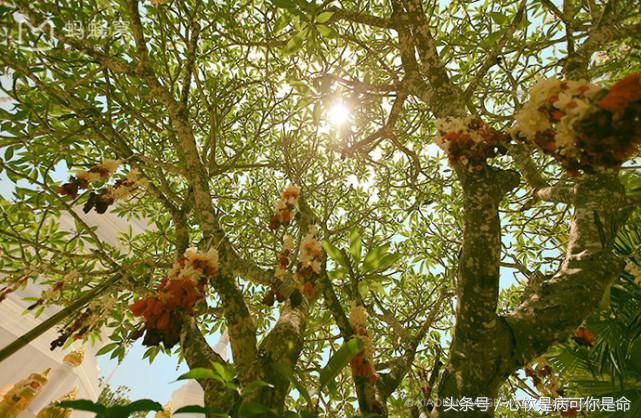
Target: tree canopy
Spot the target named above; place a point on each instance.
(384, 203)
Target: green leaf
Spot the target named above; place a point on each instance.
(225, 372)
(355, 245)
(491, 39)
(83, 405)
(326, 31)
(284, 4)
(388, 261)
(339, 360)
(199, 373)
(295, 43)
(255, 409)
(4, 11)
(141, 405)
(8, 153)
(324, 17)
(335, 254)
(285, 370)
(497, 17)
(256, 385)
(108, 348)
(374, 257)
(197, 409)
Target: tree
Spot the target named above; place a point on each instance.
(194, 116)
(118, 396)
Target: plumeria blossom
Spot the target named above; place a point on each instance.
(121, 189)
(176, 295)
(86, 322)
(82, 179)
(101, 199)
(583, 125)
(543, 378)
(17, 282)
(363, 363)
(125, 187)
(282, 263)
(310, 254)
(48, 295)
(104, 170)
(469, 141)
(285, 207)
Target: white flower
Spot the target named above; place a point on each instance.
(358, 316)
(310, 250)
(530, 121)
(564, 100)
(109, 165)
(136, 179)
(121, 192)
(87, 176)
(71, 277)
(210, 258)
(189, 272)
(288, 243)
(543, 89)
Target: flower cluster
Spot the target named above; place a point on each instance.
(175, 296)
(101, 199)
(48, 295)
(121, 189)
(469, 141)
(279, 273)
(85, 322)
(363, 363)
(583, 125)
(544, 379)
(310, 254)
(16, 283)
(285, 208)
(84, 178)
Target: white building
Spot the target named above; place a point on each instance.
(37, 357)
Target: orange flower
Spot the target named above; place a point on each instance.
(137, 308)
(557, 115)
(308, 290)
(622, 93)
(584, 337)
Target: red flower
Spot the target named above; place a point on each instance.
(308, 290)
(557, 115)
(622, 93)
(138, 307)
(584, 337)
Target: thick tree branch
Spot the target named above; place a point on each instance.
(198, 353)
(588, 269)
(475, 352)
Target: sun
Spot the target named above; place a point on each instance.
(338, 114)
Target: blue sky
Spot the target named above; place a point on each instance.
(152, 381)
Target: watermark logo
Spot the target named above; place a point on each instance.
(44, 30)
(44, 36)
